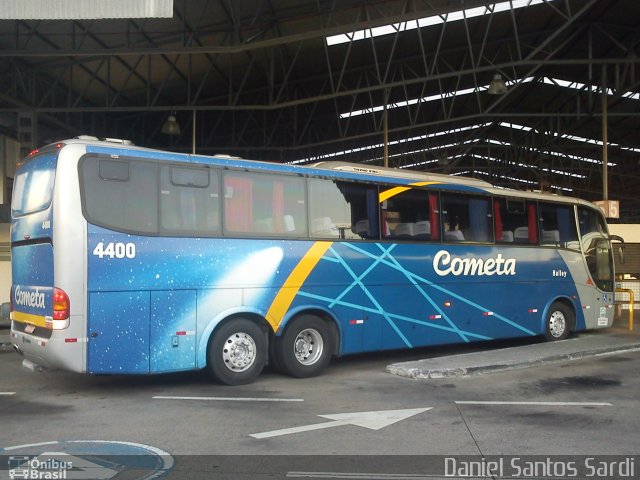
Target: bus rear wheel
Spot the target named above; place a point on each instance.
(305, 348)
(559, 322)
(238, 352)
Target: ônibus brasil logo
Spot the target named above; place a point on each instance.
(446, 264)
(37, 468)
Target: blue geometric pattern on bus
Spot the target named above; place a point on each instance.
(373, 304)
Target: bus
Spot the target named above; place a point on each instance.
(128, 260)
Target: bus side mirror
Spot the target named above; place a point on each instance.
(617, 238)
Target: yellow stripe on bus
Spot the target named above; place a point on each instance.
(392, 192)
(297, 277)
(37, 320)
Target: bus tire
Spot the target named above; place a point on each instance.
(559, 321)
(237, 352)
(305, 348)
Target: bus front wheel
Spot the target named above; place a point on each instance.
(559, 322)
(305, 348)
(237, 353)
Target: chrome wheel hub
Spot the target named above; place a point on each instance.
(239, 352)
(308, 346)
(557, 324)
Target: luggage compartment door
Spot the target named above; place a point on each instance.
(119, 332)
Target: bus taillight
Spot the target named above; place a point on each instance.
(61, 309)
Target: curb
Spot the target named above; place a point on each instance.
(410, 370)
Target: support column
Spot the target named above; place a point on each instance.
(27, 132)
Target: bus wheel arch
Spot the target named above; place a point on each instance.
(308, 342)
(559, 320)
(237, 349)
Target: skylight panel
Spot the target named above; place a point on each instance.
(515, 179)
(558, 82)
(391, 143)
(429, 21)
(427, 99)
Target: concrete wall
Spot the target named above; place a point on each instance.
(5, 265)
(629, 231)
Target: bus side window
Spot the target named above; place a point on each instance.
(590, 222)
(515, 221)
(558, 225)
(345, 210)
(467, 218)
(409, 214)
(189, 200)
(263, 204)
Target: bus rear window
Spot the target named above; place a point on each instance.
(33, 185)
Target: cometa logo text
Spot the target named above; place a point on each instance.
(446, 264)
(34, 299)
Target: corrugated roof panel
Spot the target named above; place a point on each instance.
(84, 9)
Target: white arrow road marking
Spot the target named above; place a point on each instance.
(370, 420)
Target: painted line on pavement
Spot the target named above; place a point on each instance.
(363, 476)
(41, 444)
(546, 404)
(229, 399)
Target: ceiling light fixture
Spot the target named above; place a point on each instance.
(171, 126)
(497, 85)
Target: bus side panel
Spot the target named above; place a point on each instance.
(119, 332)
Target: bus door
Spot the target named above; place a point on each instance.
(601, 269)
(598, 255)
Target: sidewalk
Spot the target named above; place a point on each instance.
(593, 343)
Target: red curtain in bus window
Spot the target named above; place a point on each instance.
(278, 206)
(498, 220)
(385, 225)
(533, 224)
(434, 216)
(238, 202)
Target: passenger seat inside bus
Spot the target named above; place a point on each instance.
(422, 230)
(507, 236)
(404, 230)
(289, 224)
(521, 235)
(362, 228)
(551, 237)
(454, 235)
(323, 227)
(265, 225)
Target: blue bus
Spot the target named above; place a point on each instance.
(127, 260)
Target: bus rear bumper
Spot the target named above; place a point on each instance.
(53, 353)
